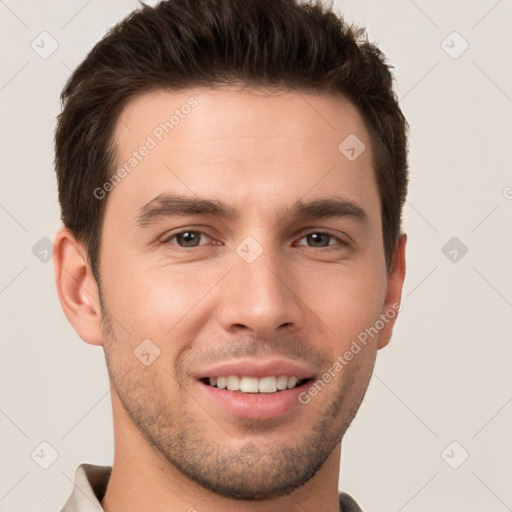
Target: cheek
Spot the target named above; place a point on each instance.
(346, 300)
(162, 301)
(153, 302)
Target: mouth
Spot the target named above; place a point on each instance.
(256, 389)
(254, 398)
(253, 385)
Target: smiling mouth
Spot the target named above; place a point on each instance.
(253, 385)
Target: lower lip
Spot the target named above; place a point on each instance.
(255, 406)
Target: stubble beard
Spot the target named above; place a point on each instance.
(254, 470)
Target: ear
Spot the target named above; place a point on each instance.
(392, 305)
(77, 288)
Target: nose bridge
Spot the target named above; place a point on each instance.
(259, 292)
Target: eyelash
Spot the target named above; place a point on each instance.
(167, 240)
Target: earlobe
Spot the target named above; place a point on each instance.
(394, 292)
(76, 287)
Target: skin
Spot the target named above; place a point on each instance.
(259, 153)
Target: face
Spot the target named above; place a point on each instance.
(242, 248)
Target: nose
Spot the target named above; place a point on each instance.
(261, 296)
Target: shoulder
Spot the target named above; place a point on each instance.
(347, 503)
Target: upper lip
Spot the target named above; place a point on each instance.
(259, 369)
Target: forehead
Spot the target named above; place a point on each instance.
(232, 112)
(274, 146)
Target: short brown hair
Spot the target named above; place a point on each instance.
(185, 43)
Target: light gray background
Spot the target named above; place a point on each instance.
(446, 375)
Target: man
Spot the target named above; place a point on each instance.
(231, 177)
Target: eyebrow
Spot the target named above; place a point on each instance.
(172, 205)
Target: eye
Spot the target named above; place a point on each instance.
(186, 239)
(322, 239)
(190, 239)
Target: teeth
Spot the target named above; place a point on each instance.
(233, 383)
(269, 384)
(249, 384)
(292, 381)
(282, 382)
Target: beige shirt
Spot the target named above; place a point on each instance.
(91, 483)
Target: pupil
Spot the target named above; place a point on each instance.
(189, 237)
(315, 236)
